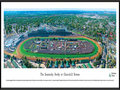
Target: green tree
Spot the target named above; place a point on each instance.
(77, 61)
(70, 61)
(64, 61)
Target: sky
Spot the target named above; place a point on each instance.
(37, 6)
(49, 9)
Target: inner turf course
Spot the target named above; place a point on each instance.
(33, 56)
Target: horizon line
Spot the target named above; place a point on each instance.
(59, 9)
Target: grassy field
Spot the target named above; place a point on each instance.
(15, 52)
(31, 54)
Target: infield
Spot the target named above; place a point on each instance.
(97, 49)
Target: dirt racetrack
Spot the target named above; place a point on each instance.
(19, 55)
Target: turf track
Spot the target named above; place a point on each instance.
(33, 56)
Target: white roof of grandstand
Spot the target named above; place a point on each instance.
(8, 42)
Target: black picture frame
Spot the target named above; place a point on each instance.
(58, 1)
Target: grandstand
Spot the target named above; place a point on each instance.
(8, 43)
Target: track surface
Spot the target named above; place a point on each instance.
(19, 55)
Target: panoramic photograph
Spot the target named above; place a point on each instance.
(60, 38)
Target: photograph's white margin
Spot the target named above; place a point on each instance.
(84, 73)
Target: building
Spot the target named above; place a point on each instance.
(12, 49)
(8, 43)
(16, 41)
